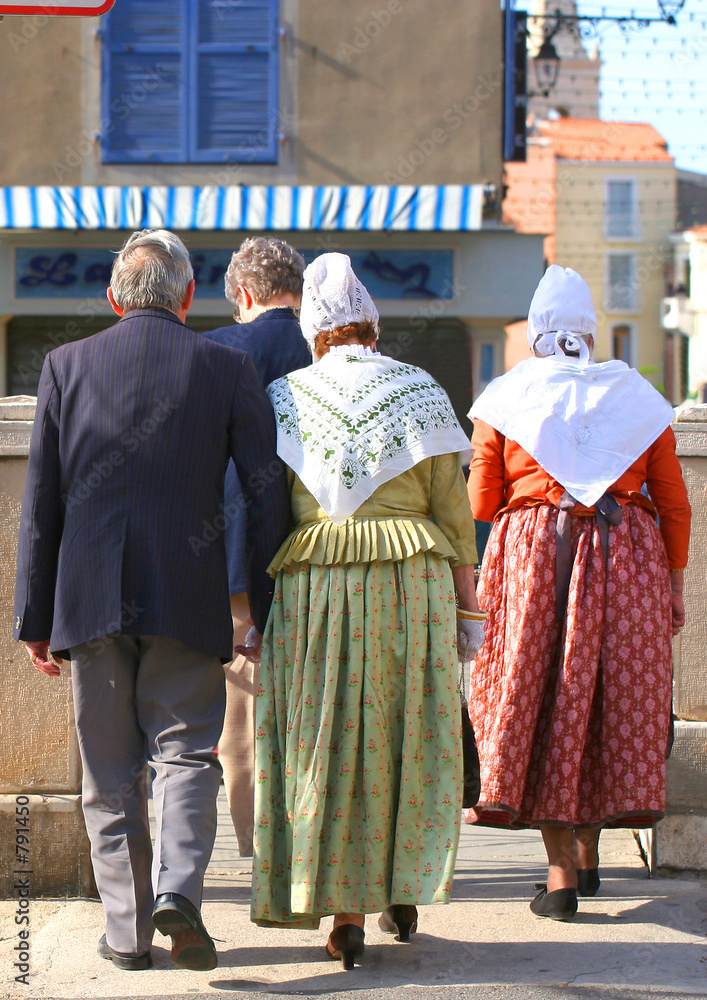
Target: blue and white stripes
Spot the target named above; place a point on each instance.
(428, 207)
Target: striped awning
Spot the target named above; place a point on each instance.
(427, 207)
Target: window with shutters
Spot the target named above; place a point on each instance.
(190, 81)
(620, 210)
(621, 289)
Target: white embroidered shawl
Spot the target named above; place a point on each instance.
(585, 425)
(349, 424)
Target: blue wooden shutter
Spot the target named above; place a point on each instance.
(233, 93)
(144, 82)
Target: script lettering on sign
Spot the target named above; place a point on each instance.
(59, 272)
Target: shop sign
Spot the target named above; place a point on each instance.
(62, 273)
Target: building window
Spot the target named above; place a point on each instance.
(621, 292)
(486, 372)
(620, 210)
(621, 343)
(190, 81)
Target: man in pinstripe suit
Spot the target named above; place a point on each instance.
(122, 568)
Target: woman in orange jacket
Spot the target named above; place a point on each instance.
(571, 692)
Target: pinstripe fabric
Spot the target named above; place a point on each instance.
(123, 517)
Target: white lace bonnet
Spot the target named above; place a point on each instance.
(561, 308)
(333, 296)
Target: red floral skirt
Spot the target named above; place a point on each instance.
(572, 717)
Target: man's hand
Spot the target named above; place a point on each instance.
(42, 659)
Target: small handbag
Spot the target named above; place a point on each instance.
(472, 766)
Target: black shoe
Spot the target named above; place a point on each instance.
(558, 905)
(124, 960)
(401, 918)
(346, 942)
(192, 948)
(588, 881)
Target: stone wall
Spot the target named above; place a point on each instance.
(679, 842)
(38, 752)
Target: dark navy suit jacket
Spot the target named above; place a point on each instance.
(276, 345)
(123, 517)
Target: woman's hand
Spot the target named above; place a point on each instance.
(252, 646)
(676, 602)
(470, 638)
(465, 587)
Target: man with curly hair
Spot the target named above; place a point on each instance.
(264, 284)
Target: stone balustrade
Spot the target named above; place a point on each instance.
(38, 751)
(680, 840)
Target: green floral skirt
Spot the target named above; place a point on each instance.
(358, 743)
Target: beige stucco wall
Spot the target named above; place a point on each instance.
(371, 111)
(40, 82)
(580, 243)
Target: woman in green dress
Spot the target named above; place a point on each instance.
(358, 741)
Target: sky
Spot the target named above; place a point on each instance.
(657, 75)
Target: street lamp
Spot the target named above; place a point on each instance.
(670, 9)
(547, 66)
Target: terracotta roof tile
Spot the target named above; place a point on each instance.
(591, 139)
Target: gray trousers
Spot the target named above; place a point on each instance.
(140, 699)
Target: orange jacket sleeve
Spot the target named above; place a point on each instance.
(669, 495)
(487, 475)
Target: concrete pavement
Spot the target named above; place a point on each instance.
(640, 938)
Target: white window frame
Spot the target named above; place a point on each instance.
(634, 306)
(635, 235)
(632, 341)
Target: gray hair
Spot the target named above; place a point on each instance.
(152, 269)
(267, 267)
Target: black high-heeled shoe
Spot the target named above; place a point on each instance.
(588, 881)
(346, 942)
(558, 905)
(401, 918)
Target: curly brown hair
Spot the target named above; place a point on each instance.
(267, 267)
(365, 332)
